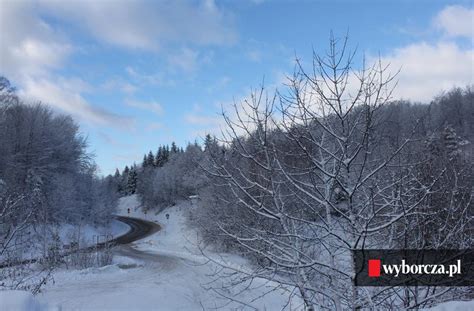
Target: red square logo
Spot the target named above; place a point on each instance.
(374, 268)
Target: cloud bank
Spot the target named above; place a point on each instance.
(33, 48)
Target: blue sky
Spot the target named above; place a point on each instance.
(137, 74)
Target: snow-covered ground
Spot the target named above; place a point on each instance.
(89, 234)
(17, 300)
(165, 271)
(86, 235)
(162, 272)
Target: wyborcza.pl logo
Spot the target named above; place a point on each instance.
(414, 267)
(376, 267)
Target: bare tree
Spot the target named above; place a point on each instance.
(306, 178)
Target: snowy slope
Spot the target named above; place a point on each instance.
(17, 300)
(67, 233)
(162, 272)
(89, 233)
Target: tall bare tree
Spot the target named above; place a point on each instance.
(306, 177)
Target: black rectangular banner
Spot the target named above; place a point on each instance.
(408, 267)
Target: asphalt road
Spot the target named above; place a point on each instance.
(139, 229)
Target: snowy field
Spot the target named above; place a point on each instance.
(89, 234)
(85, 235)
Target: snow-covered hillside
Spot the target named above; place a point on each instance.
(162, 272)
(84, 235)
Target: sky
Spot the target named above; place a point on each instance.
(136, 74)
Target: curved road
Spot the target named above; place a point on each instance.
(139, 229)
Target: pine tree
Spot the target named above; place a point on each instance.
(150, 159)
(207, 142)
(159, 157)
(117, 181)
(174, 149)
(451, 142)
(145, 161)
(123, 186)
(166, 154)
(132, 181)
(210, 144)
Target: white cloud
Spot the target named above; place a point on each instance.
(428, 69)
(145, 24)
(33, 55)
(65, 95)
(155, 79)
(456, 21)
(152, 106)
(186, 60)
(31, 50)
(28, 44)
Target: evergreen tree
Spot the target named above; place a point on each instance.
(452, 142)
(123, 185)
(117, 181)
(150, 159)
(165, 155)
(159, 157)
(126, 170)
(132, 181)
(174, 148)
(207, 142)
(210, 144)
